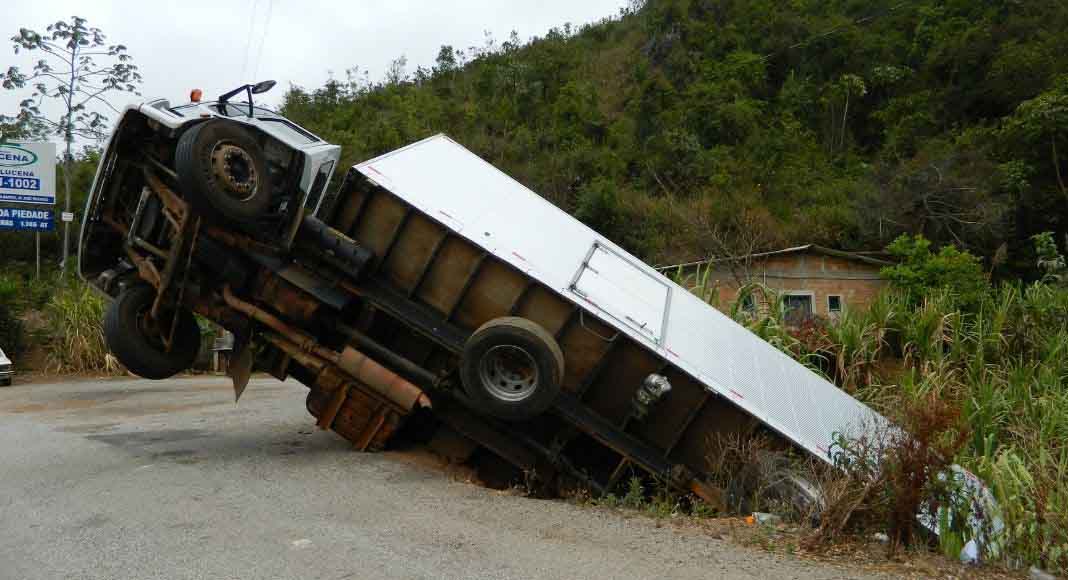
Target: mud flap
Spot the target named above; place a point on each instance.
(241, 369)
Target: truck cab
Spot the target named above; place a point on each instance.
(241, 164)
(177, 187)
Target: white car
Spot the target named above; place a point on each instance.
(7, 371)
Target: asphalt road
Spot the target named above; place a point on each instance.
(137, 479)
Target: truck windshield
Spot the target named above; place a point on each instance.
(230, 109)
(238, 109)
(279, 124)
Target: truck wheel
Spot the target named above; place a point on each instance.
(137, 340)
(512, 368)
(223, 171)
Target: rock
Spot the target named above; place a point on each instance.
(880, 537)
(1039, 574)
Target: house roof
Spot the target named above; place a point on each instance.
(865, 257)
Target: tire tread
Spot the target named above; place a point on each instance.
(125, 341)
(547, 354)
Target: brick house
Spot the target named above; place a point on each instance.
(812, 280)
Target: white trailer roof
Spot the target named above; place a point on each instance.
(449, 183)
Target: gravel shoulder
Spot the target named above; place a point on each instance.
(124, 478)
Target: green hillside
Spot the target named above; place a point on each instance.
(692, 127)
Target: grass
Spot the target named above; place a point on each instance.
(11, 332)
(75, 314)
(996, 372)
(72, 314)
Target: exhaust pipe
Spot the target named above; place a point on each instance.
(381, 379)
(353, 362)
(337, 248)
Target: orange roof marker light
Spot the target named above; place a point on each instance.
(195, 95)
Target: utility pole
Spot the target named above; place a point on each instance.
(66, 201)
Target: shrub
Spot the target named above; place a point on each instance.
(598, 206)
(75, 315)
(896, 474)
(1050, 261)
(922, 272)
(985, 388)
(10, 325)
(933, 434)
(10, 329)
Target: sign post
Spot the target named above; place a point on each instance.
(28, 175)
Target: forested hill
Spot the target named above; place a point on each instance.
(683, 128)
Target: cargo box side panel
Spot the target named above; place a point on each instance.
(763, 380)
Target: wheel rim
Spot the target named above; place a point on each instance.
(234, 170)
(508, 372)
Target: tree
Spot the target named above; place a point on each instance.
(69, 73)
(843, 123)
(839, 93)
(21, 129)
(921, 272)
(1043, 122)
(396, 74)
(734, 237)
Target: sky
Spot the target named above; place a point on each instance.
(218, 45)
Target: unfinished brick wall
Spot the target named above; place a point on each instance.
(807, 272)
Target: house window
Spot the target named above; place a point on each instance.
(834, 304)
(798, 307)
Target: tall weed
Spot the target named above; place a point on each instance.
(74, 315)
(11, 338)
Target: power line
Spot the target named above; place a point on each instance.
(263, 39)
(248, 39)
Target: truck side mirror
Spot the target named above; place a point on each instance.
(262, 87)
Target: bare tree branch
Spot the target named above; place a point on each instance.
(96, 96)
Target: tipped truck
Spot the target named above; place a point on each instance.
(428, 289)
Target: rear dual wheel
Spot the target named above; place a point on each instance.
(139, 341)
(512, 368)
